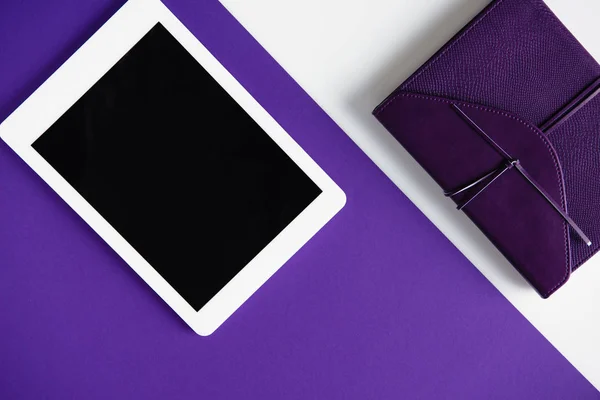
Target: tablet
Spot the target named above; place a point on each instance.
(173, 163)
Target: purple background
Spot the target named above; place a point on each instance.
(379, 305)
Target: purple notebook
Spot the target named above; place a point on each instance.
(505, 118)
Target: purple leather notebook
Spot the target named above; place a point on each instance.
(506, 119)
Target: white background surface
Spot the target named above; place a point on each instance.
(350, 54)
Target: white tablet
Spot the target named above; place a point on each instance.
(170, 160)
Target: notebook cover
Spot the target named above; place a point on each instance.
(512, 69)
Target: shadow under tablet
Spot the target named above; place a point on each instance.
(177, 167)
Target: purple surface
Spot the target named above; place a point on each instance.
(379, 305)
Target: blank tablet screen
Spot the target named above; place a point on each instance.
(177, 167)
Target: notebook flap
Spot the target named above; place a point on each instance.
(510, 211)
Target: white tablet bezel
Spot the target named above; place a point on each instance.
(78, 74)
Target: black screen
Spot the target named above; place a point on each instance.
(177, 167)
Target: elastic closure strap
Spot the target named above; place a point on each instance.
(572, 107)
(508, 164)
(495, 174)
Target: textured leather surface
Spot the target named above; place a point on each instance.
(577, 142)
(517, 57)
